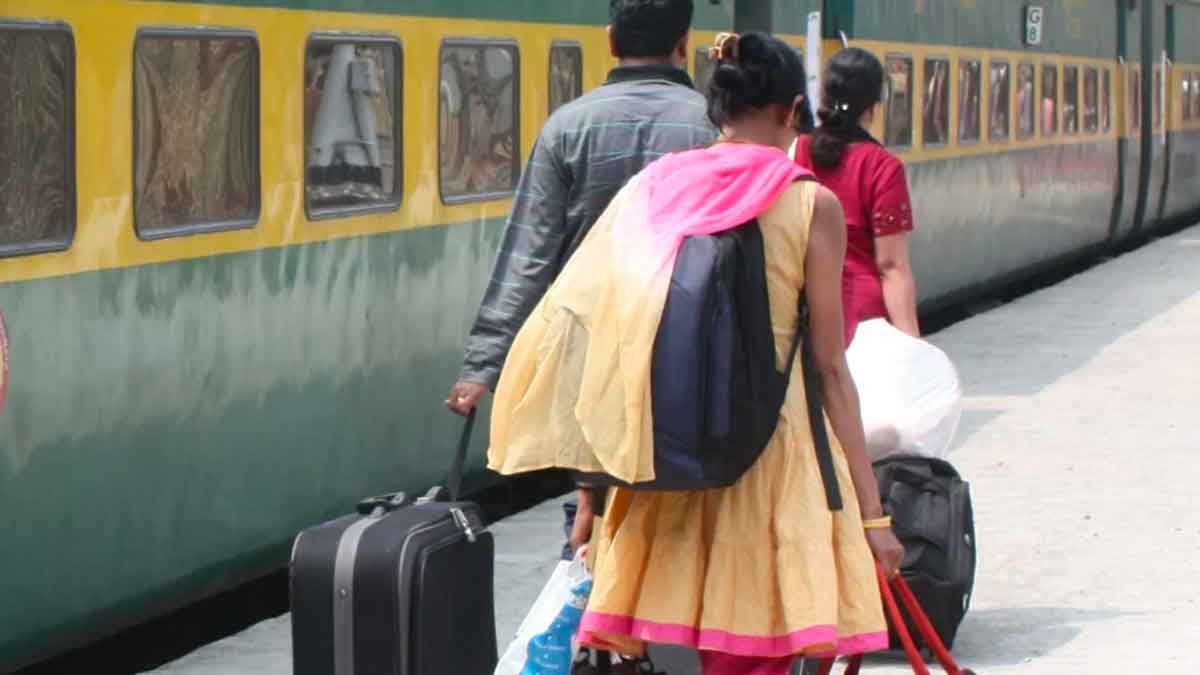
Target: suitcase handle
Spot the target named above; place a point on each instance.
(454, 481)
(389, 502)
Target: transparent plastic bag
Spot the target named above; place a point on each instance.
(909, 391)
(545, 642)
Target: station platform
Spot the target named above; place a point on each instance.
(1081, 440)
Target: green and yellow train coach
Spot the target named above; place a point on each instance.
(241, 241)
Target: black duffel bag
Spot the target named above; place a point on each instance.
(930, 505)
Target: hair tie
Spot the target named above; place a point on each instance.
(725, 47)
(836, 114)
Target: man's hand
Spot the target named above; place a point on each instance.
(464, 396)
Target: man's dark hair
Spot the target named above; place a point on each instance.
(649, 28)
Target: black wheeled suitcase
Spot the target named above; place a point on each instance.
(402, 587)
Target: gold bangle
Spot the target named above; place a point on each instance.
(878, 523)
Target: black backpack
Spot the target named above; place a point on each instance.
(716, 390)
(931, 513)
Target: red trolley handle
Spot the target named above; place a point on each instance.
(928, 632)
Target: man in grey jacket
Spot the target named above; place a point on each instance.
(586, 152)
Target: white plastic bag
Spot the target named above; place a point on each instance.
(545, 641)
(909, 391)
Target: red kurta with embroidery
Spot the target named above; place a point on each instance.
(873, 189)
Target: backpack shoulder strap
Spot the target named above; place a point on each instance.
(816, 410)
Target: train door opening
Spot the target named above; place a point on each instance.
(1164, 97)
(1121, 197)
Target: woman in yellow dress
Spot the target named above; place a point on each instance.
(751, 575)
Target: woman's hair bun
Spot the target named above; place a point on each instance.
(752, 71)
(730, 77)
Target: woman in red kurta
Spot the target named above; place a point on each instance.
(871, 184)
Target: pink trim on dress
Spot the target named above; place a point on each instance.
(710, 639)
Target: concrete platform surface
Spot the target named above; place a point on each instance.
(1081, 439)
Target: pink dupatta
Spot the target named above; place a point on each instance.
(575, 390)
(708, 191)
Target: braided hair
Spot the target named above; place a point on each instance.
(853, 85)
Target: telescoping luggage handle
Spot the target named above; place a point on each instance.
(390, 502)
(454, 482)
(928, 633)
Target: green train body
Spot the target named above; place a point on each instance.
(181, 401)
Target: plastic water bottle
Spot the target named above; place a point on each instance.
(552, 652)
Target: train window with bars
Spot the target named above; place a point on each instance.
(1195, 95)
(1049, 99)
(352, 124)
(1000, 101)
(969, 84)
(1070, 107)
(1158, 98)
(705, 66)
(898, 125)
(1135, 100)
(1186, 99)
(566, 74)
(37, 134)
(478, 120)
(1091, 100)
(936, 106)
(195, 131)
(1026, 100)
(1105, 100)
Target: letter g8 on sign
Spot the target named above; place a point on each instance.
(1033, 25)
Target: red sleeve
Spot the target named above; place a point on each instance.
(803, 155)
(890, 207)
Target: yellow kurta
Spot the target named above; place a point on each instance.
(762, 568)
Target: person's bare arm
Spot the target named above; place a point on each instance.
(899, 285)
(823, 287)
(585, 515)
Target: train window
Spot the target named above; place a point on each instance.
(1186, 99)
(37, 132)
(566, 74)
(1135, 100)
(1106, 100)
(704, 69)
(1070, 107)
(1091, 100)
(1196, 95)
(936, 107)
(1158, 98)
(969, 84)
(195, 132)
(1049, 99)
(1000, 110)
(478, 130)
(1026, 100)
(898, 125)
(352, 124)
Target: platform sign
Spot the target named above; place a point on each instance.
(813, 60)
(1034, 18)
